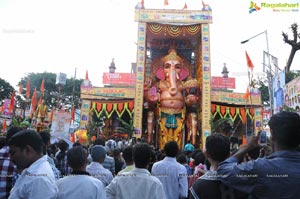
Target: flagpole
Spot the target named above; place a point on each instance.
(269, 72)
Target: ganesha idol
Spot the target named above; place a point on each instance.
(170, 96)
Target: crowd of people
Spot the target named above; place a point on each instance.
(31, 167)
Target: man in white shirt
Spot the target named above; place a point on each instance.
(95, 168)
(137, 183)
(127, 155)
(79, 184)
(37, 178)
(172, 174)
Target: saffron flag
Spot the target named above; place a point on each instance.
(185, 6)
(40, 100)
(247, 94)
(33, 101)
(28, 89)
(3, 126)
(20, 88)
(142, 3)
(86, 75)
(12, 102)
(42, 89)
(249, 62)
(166, 3)
(244, 140)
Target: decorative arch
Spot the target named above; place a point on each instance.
(232, 112)
(107, 108)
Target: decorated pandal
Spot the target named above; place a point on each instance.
(171, 94)
(245, 113)
(173, 59)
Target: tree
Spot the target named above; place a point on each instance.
(262, 84)
(66, 95)
(295, 44)
(5, 89)
(290, 75)
(126, 128)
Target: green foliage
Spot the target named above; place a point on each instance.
(5, 90)
(126, 128)
(288, 109)
(52, 91)
(262, 84)
(290, 75)
(222, 125)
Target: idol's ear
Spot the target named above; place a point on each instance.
(159, 73)
(184, 73)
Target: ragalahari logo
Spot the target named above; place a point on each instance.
(253, 7)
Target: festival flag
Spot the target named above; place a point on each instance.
(86, 75)
(73, 113)
(244, 140)
(20, 88)
(247, 94)
(72, 137)
(42, 89)
(142, 3)
(12, 102)
(33, 101)
(3, 126)
(28, 89)
(185, 6)
(249, 62)
(166, 3)
(40, 100)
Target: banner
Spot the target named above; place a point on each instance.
(61, 124)
(278, 94)
(5, 109)
(119, 78)
(224, 83)
(61, 78)
(273, 62)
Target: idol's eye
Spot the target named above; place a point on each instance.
(167, 66)
(178, 66)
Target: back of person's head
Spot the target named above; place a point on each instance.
(99, 141)
(98, 153)
(218, 146)
(116, 153)
(181, 158)
(127, 154)
(77, 143)
(171, 149)
(13, 130)
(199, 158)
(285, 129)
(141, 155)
(254, 153)
(62, 145)
(194, 153)
(77, 157)
(45, 137)
(27, 138)
(46, 140)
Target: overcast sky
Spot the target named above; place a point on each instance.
(61, 35)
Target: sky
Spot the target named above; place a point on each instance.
(67, 35)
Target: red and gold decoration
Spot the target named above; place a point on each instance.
(232, 112)
(174, 31)
(109, 107)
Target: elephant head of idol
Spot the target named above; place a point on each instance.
(172, 70)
